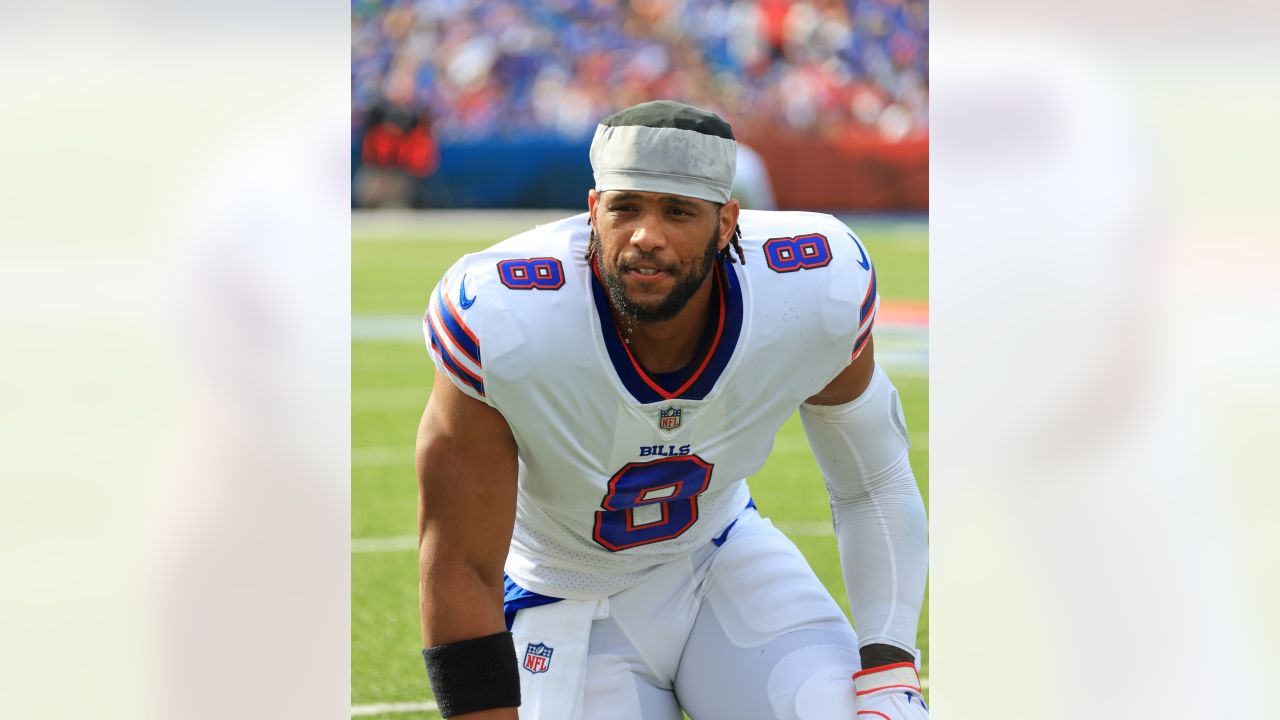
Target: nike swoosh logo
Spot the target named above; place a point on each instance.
(864, 262)
(463, 300)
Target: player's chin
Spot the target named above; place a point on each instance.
(647, 306)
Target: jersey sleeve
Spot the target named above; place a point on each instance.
(858, 298)
(866, 310)
(453, 344)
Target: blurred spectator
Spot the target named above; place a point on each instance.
(520, 69)
(397, 152)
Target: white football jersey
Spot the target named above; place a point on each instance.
(621, 470)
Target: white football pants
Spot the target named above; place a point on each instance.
(744, 631)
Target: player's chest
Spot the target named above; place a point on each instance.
(584, 443)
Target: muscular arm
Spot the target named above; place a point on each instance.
(466, 458)
(855, 430)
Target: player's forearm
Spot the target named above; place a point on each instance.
(457, 601)
(466, 510)
(468, 654)
(862, 447)
(884, 555)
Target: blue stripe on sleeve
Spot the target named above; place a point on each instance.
(870, 302)
(861, 342)
(456, 370)
(454, 326)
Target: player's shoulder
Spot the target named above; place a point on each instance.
(481, 311)
(810, 258)
(525, 273)
(536, 259)
(809, 248)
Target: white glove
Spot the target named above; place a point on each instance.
(889, 692)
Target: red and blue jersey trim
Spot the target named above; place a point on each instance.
(459, 333)
(452, 341)
(861, 342)
(868, 301)
(708, 369)
(866, 314)
(455, 368)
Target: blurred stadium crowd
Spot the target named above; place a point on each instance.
(483, 69)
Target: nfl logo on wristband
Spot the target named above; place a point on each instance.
(537, 658)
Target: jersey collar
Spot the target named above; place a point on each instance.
(708, 367)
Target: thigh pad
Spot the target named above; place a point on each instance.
(761, 586)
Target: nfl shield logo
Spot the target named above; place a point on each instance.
(669, 419)
(537, 658)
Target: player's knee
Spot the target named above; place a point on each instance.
(814, 683)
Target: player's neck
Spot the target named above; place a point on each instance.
(669, 345)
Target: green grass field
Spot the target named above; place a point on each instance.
(394, 268)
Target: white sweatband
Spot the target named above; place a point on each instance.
(664, 146)
(881, 529)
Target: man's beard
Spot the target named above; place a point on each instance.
(686, 284)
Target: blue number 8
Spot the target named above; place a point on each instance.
(788, 254)
(674, 482)
(541, 273)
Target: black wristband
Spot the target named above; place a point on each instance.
(471, 675)
(878, 655)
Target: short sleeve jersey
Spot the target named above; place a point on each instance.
(620, 470)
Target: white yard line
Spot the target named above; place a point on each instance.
(396, 707)
(397, 543)
(387, 327)
(382, 456)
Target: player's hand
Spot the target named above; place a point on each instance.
(889, 692)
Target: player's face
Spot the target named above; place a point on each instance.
(655, 250)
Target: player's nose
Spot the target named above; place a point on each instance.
(648, 236)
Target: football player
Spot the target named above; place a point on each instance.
(604, 386)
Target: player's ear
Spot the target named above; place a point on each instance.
(728, 221)
(592, 198)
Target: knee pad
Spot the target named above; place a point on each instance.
(814, 683)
